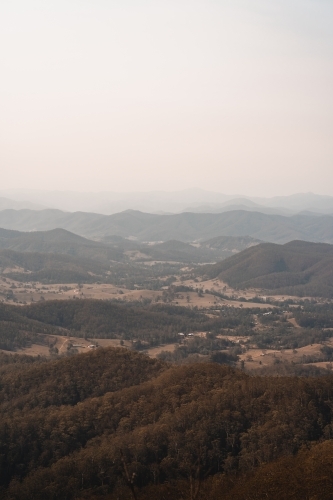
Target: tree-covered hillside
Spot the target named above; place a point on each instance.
(50, 267)
(296, 268)
(152, 324)
(114, 424)
(59, 241)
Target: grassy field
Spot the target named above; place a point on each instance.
(12, 291)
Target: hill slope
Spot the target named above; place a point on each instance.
(58, 241)
(296, 268)
(105, 416)
(49, 267)
(6, 203)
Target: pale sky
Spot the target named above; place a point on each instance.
(232, 96)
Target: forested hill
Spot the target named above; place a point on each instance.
(50, 267)
(183, 227)
(113, 248)
(207, 251)
(296, 268)
(58, 241)
(71, 380)
(115, 424)
(153, 325)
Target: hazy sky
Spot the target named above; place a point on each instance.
(232, 96)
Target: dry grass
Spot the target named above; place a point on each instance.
(255, 358)
(155, 351)
(25, 293)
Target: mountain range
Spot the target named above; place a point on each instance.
(14, 245)
(296, 268)
(6, 203)
(186, 227)
(189, 200)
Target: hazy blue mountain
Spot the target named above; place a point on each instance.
(112, 202)
(186, 227)
(61, 241)
(191, 200)
(244, 204)
(6, 203)
(300, 202)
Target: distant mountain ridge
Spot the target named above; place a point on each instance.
(186, 227)
(296, 268)
(6, 203)
(187, 200)
(116, 248)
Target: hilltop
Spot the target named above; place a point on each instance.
(58, 241)
(296, 268)
(186, 200)
(55, 256)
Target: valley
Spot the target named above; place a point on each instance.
(209, 298)
(166, 250)
(160, 358)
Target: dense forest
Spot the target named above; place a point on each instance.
(17, 330)
(154, 324)
(116, 424)
(315, 316)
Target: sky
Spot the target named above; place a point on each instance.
(107, 95)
